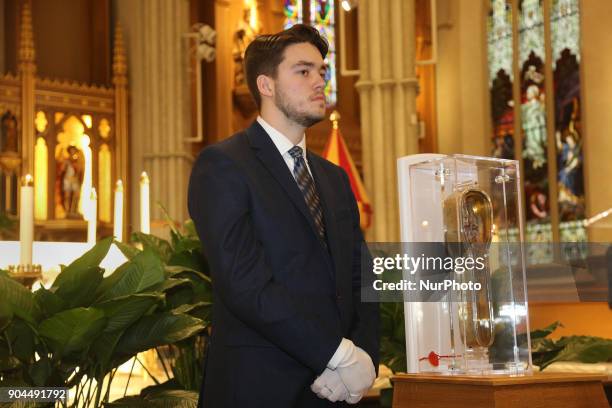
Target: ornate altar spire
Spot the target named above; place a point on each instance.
(119, 59)
(27, 52)
(27, 70)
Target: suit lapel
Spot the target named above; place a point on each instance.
(270, 157)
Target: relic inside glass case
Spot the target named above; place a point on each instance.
(471, 206)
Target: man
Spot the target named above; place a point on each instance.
(280, 228)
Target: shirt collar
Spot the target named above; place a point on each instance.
(282, 143)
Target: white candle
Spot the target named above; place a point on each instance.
(92, 220)
(145, 206)
(118, 225)
(26, 220)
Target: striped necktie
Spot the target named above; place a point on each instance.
(308, 189)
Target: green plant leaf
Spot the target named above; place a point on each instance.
(585, 349)
(189, 308)
(160, 399)
(539, 333)
(191, 259)
(185, 244)
(156, 330)
(190, 229)
(170, 384)
(143, 271)
(160, 246)
(20, 299)
(48, 302)
(72, 330)
(79, 286)
(8, 362)
(22, 338)
(128, 250)
(104, 347)
(169, 221)
(169, 284)
(6, 315)
(71, 274)
(178, 296)
(39, 371)
(122, 312)
(183, 369)
(174, 270)
(392, 339)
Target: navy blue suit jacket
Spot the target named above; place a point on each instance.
(282, 301)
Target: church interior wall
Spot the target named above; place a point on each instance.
(10, 29)
(63, 40)
(597, 93)
(461, 91)
(448, 87)
(2, 57)
(72, 39)
(572, 315)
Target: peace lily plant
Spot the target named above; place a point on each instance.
(79, 331)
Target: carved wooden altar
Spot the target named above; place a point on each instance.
(69, 136)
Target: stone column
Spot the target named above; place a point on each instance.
(159, 102)
(387, 89)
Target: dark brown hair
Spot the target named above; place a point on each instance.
(266, 52)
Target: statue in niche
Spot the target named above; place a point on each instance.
(8, 133)
(538, 204)
(534, 127)
(569, 146)
(70, 179)
(243, 36)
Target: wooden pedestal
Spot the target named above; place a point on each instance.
(532, 391)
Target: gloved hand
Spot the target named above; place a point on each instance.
(329, 385)
(355, 368)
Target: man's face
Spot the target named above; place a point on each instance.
(299, 85)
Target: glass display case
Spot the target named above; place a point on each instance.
(471, 207)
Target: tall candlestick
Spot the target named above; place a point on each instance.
(92, 220)
(26, 220)
(145, 205)
(118, 225)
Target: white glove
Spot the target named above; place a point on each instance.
(329, 385)
(355, 368)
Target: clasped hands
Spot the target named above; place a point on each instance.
(348, 376)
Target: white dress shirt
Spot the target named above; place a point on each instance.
(283, 144)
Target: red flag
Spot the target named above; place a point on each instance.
(336, 152)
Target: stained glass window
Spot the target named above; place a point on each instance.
(499, 44)
(533, 119)
(565, 39)
(293, 12)
(540, 131)
(322, 18)
(321, 14)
